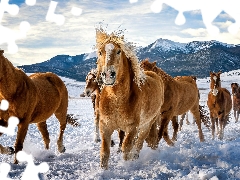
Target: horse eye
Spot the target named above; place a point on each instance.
(119, 51)
(100, 53)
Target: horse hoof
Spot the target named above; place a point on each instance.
(97, 140)
(62, 150)
(10, 150)
(15, 161)
(135, 156)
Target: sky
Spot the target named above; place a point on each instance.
(46, 39)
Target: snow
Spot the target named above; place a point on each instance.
(90, 55)
(188, 159)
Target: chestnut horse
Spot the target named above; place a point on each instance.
(179, 97)
(130, 99)
(92, 89)
(236, 100)
(185, 115)
(219, 103)
(32, 99)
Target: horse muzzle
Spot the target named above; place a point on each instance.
(108, 77)
(215, 92)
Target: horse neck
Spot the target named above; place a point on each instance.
(163, 74)
(9, 78)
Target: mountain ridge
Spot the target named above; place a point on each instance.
(194, 58)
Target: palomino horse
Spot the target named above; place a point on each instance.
(219, 103)
(236, 100)
(92, 89)
(179, 97)
(130, 99)
(32, 99)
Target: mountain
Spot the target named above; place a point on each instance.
(194, 58)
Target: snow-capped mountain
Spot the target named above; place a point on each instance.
(194, 58)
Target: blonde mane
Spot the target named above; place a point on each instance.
(102, 38)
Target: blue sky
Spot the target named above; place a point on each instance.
(77, 35)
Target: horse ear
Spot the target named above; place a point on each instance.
(154, 63)
(219, 72)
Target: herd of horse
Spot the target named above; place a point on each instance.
(137, 99)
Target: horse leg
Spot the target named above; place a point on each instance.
(21, 134)
(152, 138)
(217, 125)
(238, 112)
(187, 121)
(61, 116)
(196, 114)
(235, 114)
(163, 129)
(42, 127)
(222, 123)
(121, 135)
(213, 121)
(175, 127)
(96, 122)
(105, 145)
(128, 142)
(181, 121)
(142, 135)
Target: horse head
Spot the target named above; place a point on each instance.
(235, 88)
(215, 82)
(91, 83)
(147, 65)
(116, 58)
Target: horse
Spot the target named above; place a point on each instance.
(32, 99)
(93, 89)
(179, 97)
(185, 115)
(130, 99)
(236, 100)
(219, 103)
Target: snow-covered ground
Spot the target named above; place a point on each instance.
(188, 159)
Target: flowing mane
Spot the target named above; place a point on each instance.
(102, 38)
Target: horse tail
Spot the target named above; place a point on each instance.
(71, 120)
(204, 116)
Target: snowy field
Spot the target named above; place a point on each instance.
(188, 159)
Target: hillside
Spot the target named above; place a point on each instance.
(194, 58)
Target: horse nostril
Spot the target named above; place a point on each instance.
(103, 74)
(112, 75)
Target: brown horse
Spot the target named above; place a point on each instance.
(185, 115)
(130, 99)
(32, 99)
(219, 103)
(179, 97)
(93, 89)
(236, 100)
